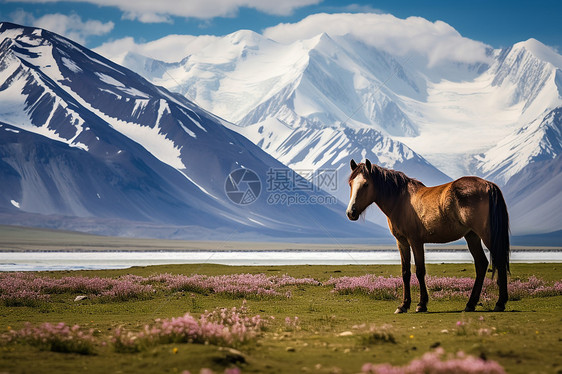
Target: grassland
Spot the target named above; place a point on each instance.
(335, 333)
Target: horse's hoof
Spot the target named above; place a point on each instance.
(499, 308)
(400, 310)
(469, 309)
(421, 309)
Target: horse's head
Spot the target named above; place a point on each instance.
(362, 189)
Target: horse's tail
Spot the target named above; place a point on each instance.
(499, 229)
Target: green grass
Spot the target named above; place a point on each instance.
(525, 339)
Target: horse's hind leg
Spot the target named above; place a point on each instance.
(419, 259)
(502, 285)
(481, 265)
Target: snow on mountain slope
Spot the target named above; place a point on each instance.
(46, 176)
(322, 154)
(84, 137)
(342, 82)
(528, 163)
(310, 149)
(244, 78)
(340, 88)
(538, 141)
(534, 198)
(531, 71)
(462, 119)
(231, 63)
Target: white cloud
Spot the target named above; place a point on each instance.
(171, 48)
(156, 11)
(146, 17)
(353, 8)
(434, 41)
(117, 49)
(70, 26)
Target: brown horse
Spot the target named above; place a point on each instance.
(470, 206)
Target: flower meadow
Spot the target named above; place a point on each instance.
(309, 321)
(54, 337)
(233, 370)
(434, 363)
(239, 285)
(229, 327)
(222, 326)
(390, 288)
(28, 289)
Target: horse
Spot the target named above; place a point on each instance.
(468, 207)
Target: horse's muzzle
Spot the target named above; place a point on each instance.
(352, 214)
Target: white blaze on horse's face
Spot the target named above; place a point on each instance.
(357, 197)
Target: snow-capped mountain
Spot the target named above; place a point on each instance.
(82, 137)
(540, 140)
(531, 174)
(531, 74)
(315, 103)
(312, 105)
(244, 78)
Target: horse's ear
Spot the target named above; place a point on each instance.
(353, 164)
(368, 165)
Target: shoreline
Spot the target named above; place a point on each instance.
(23, 239)
(53, 261)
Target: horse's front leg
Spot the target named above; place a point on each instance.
(404, 248)
(419, 259)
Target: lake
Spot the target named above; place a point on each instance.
(54, 260)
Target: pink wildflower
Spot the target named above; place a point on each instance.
(56, 338)
(220, 326)
(232, 371)
(434, 363)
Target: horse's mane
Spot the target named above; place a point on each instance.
(388, 181)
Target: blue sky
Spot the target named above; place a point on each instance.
(496, 23)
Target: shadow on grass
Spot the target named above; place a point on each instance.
(475, 312)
